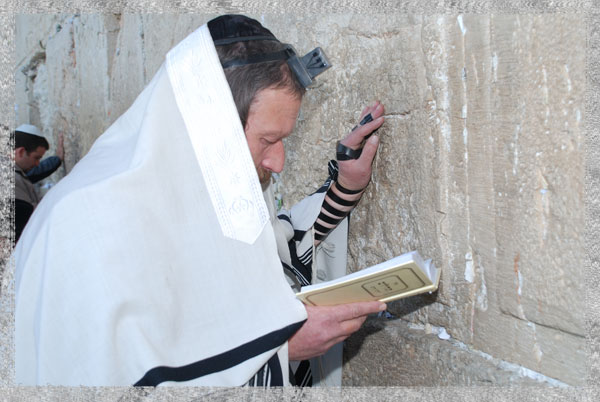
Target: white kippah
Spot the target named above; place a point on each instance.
(30, 129)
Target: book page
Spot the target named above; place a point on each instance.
(396, 261)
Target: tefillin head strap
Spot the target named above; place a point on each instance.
(229, 29)
(228, 41)
(232, 28)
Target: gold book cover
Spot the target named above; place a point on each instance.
(402, 276)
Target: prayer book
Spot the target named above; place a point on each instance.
(402, 276)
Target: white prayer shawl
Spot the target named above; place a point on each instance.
(328, 262)
(124, 274)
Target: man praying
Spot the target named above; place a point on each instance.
(161, 259)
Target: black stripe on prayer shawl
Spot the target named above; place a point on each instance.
(323, 188)
(303, 375)
(299, 234)
(284, 217)
(262, 377)
(299, 265)
(276, 379)
(220, 362)
(306, 258)
(308, 251)
(258, 379)
(301, 278)
(308, 261)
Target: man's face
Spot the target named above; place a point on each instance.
(271, 118)
(28, 160)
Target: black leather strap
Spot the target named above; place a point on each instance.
(345, 153)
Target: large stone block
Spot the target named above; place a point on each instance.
(390, 353)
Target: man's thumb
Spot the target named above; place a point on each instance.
(370, 148)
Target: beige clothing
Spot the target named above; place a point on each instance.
(24, 189)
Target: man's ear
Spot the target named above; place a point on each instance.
(20, 152)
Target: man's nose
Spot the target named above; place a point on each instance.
(275, 158)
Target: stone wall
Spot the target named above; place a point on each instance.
(481, 168)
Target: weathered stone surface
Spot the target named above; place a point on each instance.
(389, 353)
(480, 165)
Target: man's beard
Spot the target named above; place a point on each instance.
(264, 176)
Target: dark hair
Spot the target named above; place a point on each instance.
(29, 141)
(247, 80)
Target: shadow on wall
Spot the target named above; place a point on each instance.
(396, 310)
(402, 307)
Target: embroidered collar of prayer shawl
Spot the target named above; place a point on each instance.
(122, 275)
(219, 142)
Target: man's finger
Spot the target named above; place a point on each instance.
(369, 127)
(356, 137)
(351, 326)
(365, 111)
(355, 310)
(376, 110)
(369, 150)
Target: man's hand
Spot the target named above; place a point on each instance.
(60, 148)
(329, 325)
(355, 174)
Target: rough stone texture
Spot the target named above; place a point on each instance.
(481, 168)
(481, 164)
(420, 359)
